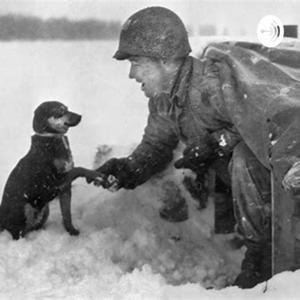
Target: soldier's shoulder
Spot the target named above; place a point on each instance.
(204, 74)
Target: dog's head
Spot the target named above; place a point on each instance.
(54, 117)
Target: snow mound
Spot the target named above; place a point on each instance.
(123, 241)
(180, 252)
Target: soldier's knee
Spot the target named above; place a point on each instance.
(239, 157)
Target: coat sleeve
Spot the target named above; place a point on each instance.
(215, 132)
(160, 138)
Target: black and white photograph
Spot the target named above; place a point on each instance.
(150, 150)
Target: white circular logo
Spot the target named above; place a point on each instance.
(270, 31)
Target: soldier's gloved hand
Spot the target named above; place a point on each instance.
(110, 172)
(227, 140)
(291, 180)
(117, 174)
(195, 158)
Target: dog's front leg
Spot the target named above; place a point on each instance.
(76, 172)
(65, 206)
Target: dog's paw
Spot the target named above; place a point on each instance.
(73, 231)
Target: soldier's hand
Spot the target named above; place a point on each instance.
(111, 174)
(193, 158)
(112, 183)
(181, 163)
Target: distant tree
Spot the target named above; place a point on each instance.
(31, 28)
(8, 28)
(207, 30)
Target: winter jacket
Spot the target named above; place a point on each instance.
(261, 90)
(236, 91)
(193, 113)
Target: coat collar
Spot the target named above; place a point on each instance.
(181, 85)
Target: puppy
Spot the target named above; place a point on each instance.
(44, 173)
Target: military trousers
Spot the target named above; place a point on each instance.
(251, 191)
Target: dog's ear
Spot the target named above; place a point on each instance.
(41, 115)
(39, 123)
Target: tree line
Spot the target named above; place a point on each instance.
(18, 27)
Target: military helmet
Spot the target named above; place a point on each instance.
(153, 32)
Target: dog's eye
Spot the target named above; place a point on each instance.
(60, 112)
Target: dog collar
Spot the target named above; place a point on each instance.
(47, 134)
(55, 135)
(48, 138)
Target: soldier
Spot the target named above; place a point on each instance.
(190, 101)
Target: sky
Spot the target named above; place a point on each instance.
(239, 16)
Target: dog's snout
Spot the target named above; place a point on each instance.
(73, 119)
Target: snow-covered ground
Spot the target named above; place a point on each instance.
(124, 251)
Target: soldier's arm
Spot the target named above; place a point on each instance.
(153, 153)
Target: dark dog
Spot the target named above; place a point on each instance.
(46, 172)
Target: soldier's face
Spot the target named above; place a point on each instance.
(152, 75)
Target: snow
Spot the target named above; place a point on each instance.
(125, 250)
